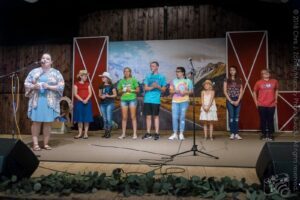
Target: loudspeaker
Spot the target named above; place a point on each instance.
(278, 166)
(16, 159)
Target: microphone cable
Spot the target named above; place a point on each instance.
(15, 93)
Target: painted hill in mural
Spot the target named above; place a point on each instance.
(214, 72)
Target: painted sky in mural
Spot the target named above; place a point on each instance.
(169, 53)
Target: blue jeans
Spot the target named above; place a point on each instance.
(234, 114)
(178, 114)
(107, 110)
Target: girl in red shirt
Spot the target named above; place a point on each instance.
(265, 97)
(83, 105)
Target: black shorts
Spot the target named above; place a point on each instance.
(151, 109)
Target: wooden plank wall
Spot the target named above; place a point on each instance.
(156, 23)
(176, 22)
(184, 22)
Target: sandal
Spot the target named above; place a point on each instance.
(36, 148)
(77, 137)
(47, 147)
(121, 137)
(134, 137)
(85, 137)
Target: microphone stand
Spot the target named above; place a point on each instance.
(13, 77)
(19, 70)
(194, 148)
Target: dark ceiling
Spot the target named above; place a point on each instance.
(57, 20)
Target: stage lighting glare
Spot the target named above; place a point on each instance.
(31, 1)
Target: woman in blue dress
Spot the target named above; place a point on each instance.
(44, 87)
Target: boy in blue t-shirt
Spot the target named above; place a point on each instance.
(155, 84)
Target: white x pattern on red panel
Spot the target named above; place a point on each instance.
(94, 68)
(290, 105)
(247, 78)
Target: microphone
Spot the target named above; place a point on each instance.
(192, 72)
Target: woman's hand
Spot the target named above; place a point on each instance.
(45, 85)
(36, 86)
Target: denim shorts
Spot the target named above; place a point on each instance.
(130, 103)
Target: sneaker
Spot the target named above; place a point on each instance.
(231, 136)
(173, 137)
(238, 137)
(147, 136)
(105, 133)
(181, 137)
(270, 138)
(156, 136)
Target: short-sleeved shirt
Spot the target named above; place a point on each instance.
(132, 84)
(153, 96)
(233, 87)
(82, 89)
(266, 92)
(107, 89)
(181, 85)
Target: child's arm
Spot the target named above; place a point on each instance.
(276, 92)
(100, 94)
(114, 91)
(202, 100)
(90, 94)
(172, 88)
(225, 92)
(255, 90)
(241, 95)
(211, 99)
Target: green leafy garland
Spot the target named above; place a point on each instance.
(65, 183)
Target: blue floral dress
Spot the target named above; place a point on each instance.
(43, 105)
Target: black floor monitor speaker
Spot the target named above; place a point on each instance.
(16, 159)
(278, 166)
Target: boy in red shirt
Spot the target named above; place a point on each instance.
(266, 101)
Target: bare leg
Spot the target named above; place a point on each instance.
(133, 119)
(211, 127)
(80, 126)
(156, 123)
(46, 132)
(35, 131)
(205, 129)
(148, 123)
(124, 120)
(86, 129)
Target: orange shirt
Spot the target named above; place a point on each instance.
(266, 92)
